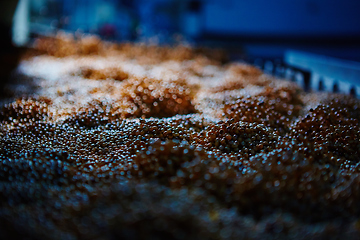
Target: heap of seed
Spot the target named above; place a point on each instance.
(336, 138)
(275, 108)
(140, 156)
(107, 73)
(153, 98)
(238, 137)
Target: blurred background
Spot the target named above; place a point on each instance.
(261, 27)
(262, 32)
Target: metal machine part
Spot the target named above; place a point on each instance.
(322, 73)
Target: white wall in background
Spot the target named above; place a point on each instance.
(21, 30)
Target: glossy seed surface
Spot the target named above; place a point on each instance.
(131, 141)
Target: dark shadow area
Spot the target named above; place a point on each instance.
(321, 85)
(353, 92)
(9, 54)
